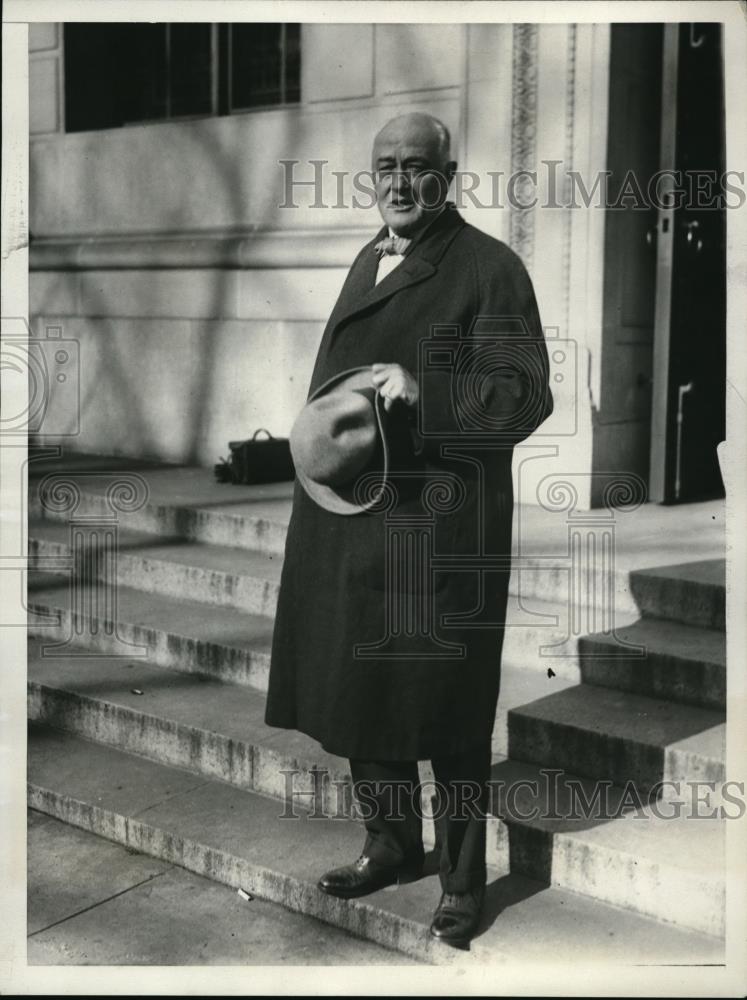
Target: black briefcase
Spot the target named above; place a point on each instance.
(257, 460)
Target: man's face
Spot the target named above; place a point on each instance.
(410, 178)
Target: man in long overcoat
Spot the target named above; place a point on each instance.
(388, 631)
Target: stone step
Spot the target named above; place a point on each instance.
(173, 632)
(85, 665)
(234, 643)
(219, 592)
(181, 502)
(247, 580)
(682, 663)
(646, 656)
(237, 838)
(234, 572)
(537, 633)
(212, 574)
(602, 733)
(693, 593)
(217, 730)
(664, 860)
(173, 502)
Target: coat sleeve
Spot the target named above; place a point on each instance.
(493, 379)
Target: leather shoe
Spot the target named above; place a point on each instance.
(457, 917)
(365, 875)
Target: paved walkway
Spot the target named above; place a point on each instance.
(93, 902)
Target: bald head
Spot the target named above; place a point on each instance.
(413, 169)
(417, 127)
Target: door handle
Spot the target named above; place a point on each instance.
(691, 235)
(681, 393)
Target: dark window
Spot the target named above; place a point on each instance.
(265, 64)
(190, 63)
(120, 74)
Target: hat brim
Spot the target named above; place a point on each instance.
(339, 500)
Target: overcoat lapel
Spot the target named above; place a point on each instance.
(362, 293)
(361, 279)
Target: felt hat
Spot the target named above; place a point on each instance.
(340, 437)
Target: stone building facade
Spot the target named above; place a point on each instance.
(198, 296)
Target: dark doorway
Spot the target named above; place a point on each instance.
(688, 412)
(661, 411)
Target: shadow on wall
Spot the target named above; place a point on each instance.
(178, 388)
(176, 383)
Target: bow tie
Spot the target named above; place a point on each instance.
(392, 245)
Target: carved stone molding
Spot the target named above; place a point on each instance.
(258, 249)
(524, 133)
(570, 112)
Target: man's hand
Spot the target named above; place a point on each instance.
(393, 382)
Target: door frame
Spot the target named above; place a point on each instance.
(664, 272)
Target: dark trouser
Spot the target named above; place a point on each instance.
(389, 797)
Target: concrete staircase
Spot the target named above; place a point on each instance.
(162, 747)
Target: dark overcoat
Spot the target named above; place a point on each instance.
(389, 623)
